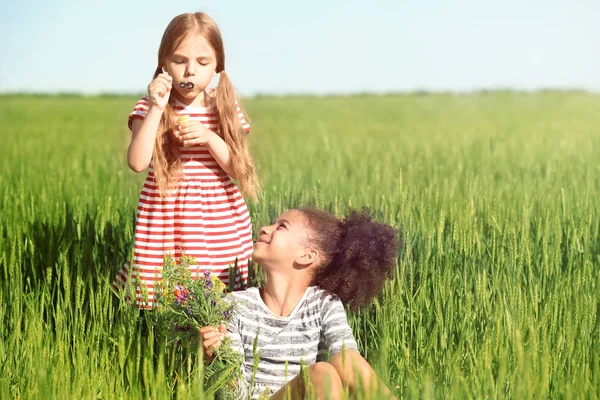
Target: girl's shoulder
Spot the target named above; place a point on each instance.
(143, 102)
(139, 110)
(326, 299)
(210, 98)
(318, 292)
(246, 302)
(250, 294)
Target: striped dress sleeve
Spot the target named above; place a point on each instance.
(243, 122)
(139, 111)
(337, 334)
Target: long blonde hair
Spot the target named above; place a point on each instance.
(166, 162)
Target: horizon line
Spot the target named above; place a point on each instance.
(499, 89)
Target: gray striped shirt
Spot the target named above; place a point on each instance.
(315, 329)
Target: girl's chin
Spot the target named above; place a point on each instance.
(186, 94)
(264, 260)
(256, 256)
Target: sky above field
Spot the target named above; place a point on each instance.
(327, 46)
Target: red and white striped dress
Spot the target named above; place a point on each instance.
(206, 218)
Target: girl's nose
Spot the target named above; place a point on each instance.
(264, 230)
(190, 69)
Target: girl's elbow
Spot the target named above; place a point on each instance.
(231, 171)
(137, 170)
(136, 166)
(136, 160)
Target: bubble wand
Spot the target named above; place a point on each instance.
(190, 85)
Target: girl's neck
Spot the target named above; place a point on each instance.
(282, 293)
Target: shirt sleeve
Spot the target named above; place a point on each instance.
(337, 334)
(243, 122)
(139, 111)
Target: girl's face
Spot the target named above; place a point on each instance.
(193, 61)
(285, 243)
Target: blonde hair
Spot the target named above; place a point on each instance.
(166, 162)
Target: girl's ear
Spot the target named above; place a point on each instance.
(307, 257)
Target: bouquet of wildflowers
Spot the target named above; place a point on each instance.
(183, 304)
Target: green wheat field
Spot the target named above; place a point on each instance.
(497, 291)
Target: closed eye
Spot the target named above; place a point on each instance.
(282, 223)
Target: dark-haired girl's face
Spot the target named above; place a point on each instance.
(284, 243)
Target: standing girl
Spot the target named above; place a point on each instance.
(193, 140)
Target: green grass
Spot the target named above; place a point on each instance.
(497, 292)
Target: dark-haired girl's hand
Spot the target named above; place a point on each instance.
(192, 133)
(212, 337)
(159, 90)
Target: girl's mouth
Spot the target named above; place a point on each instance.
(186, 85)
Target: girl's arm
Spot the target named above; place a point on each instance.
(357, 374)
(194, 132)
(144, 132)
(353, 370)
(143, 137)
(220, 151)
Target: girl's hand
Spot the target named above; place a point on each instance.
(193, 132)
(212, 338)
(159, 90)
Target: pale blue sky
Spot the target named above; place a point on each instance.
(310, 46)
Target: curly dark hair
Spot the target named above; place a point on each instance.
(359, 254)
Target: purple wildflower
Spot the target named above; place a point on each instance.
(208, 280)
(226, 314)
